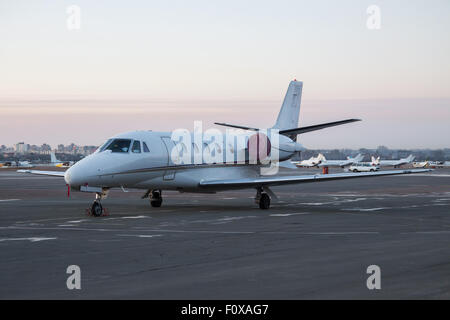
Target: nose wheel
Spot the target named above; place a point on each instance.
(97, 209)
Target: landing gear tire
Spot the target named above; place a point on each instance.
(264, 201)
(97, 209)
(156, 199)
(156, 203)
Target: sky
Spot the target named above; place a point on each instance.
(161, 65)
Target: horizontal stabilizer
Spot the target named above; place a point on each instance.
(235, 126)
(294, 132)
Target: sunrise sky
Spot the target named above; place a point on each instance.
(161, 65)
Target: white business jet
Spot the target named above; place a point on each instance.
(151, 160)
(420, 164)
(340, 163)
(311, 162)
(395, 163)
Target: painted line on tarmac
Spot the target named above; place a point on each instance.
(288, 214)
(31, 239)
(140, 235)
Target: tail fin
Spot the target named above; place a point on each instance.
(375, 161)
(53, 157)
(290, 110)
(359, 157)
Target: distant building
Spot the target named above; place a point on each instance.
(46, 149)
(22, 148)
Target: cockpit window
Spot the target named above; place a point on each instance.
(136, 147)
(103, 146)
(119, 145)
(145, 147)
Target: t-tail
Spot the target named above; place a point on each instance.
(53, 158)
(375, 161)
(287, 120)
(359, 157)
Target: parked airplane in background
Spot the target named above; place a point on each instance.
(16, 164)
(422, 164)
(395, 163)
(437, 164)
(57, 163)
(340, 163)
(311, 162)
(148, 160)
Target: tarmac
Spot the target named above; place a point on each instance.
(316, 242)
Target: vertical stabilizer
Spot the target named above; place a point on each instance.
(53, 158)
(290, 110)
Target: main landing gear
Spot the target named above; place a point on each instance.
(155, 197)
(262, 199)
(96, 207)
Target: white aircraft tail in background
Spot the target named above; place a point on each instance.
(358, 158)
(53, 158)
(57, 163)
(375, 162)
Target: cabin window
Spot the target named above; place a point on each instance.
(136, 147)
(144, 145)
(119, 145)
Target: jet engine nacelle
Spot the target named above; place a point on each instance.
(263, 149)
(259, 147)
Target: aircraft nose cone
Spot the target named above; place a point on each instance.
(68, 176)
(74, 176)
(83, 172)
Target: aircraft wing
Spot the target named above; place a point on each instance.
(44, 173)
(281, 180)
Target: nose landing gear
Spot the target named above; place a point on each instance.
(96, 208)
